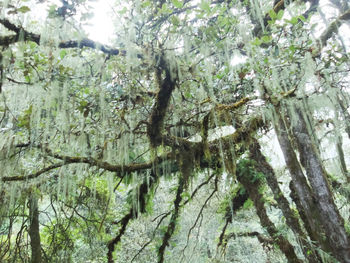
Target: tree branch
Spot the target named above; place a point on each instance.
(31, 176)
(166, 87)
(87, 160)
(23, 35)
(334, 27)
(201, 213)
(108, 166)
(85, 42)
(135, 210)
(174, 217)
(116, 240)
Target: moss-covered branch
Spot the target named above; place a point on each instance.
(133, 167)
(112, 243)
(166, 87)
(33, 175)
(23, 35)
(252, 182)
(239, 135)
(136, 209)
(236, 202)
(119, 169)
(334, 27)
(174, 217)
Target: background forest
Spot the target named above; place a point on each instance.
(205, 131)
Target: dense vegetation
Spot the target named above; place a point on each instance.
(206, 131)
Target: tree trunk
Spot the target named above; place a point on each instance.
(344, 111)
(339, 143)
(341, 156)
(33, 232)
(253, 187)
(283, 204)
(309, 212)
(331, 220)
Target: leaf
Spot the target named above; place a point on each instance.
(219, 76)
(186, 195)
(266, 39)
(248, 204)
(123, 11)
(280, 15)
(177, 4)
(24, 120)
(165, 9)
(302, 18)
(256, 42)
(294, 21)
(175, 20)
(272, 14)
(205, 6)
(23, 9)
(188, 95)
(63, 53)
(242, 191)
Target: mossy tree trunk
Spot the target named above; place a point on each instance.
(254, 186)
(332, 222)
(306, 201)
(291, 218)
(34, 232)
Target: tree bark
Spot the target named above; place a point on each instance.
(253, 187)
(311, 215)
(34, 232)
(291, 218)
(331, 220)
(344, 111)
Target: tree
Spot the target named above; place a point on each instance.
(97, 140)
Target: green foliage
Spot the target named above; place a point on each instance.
(248, 204)
(177, 3)
(246, 168)
(24, 120)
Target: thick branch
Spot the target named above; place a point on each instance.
(31, 176)
(166, 87)
(239, 135)
(23, 35)
(234, 106)
(250, 181)
(93, 162)
(10, 26)
(91, 44)
(291, 218)
(111, 167)
(116, 239)
(334, 27)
